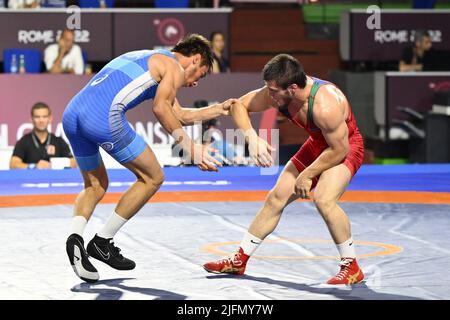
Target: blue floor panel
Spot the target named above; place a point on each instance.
(432, 178)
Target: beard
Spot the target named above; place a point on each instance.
(284, 102)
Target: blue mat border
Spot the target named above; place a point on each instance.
(429, 177)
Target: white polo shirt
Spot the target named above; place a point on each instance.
(72, 60)
(20, 4)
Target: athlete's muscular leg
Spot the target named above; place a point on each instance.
(149, 178)
(278, 198)
(332, 184)
(95, 185)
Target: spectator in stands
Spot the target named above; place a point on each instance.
(218, 45)
(412, 56)
(36, 148)
(64, 56)
(24, 4)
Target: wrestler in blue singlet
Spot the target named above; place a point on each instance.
(95, 117)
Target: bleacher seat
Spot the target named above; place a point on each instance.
(171, 3)
(53, 3)
(85, 57)
(94, 3)
(424, 4)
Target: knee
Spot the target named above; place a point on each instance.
(158, 179)
(275, 201)
(324, 205)
(154, 181)
(99, 187)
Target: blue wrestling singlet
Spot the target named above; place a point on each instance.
(95, 117)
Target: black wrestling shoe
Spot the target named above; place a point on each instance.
(104, 250)
(79, 259)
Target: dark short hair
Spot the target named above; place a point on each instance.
(196, 44)
(285, 70)
(420, 34)
(40, 105)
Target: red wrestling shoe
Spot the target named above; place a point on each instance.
(350, 273)
(233, 265)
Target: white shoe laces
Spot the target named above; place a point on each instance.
(233, 260)
(344, 264)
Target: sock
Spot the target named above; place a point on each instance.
(250, 243)
(347, 249)
(78, 225)
(114, 223)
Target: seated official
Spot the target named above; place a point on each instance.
(35, 149)
(412, 56)
(64, 56)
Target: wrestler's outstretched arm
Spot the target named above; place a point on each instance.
(188, 116)
(255, 101)
(172, 79)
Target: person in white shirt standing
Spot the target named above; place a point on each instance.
(24, 4)
(64, 56)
